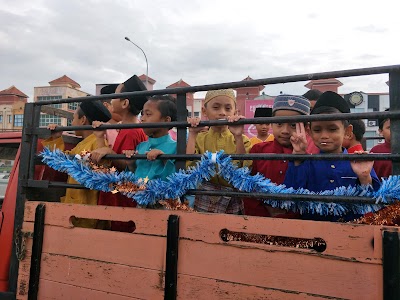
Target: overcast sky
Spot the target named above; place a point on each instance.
(202, 42)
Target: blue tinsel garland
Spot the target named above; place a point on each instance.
(179, 183)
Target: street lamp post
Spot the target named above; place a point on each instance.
(147, 64)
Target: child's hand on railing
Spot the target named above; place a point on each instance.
(98, 154)
(236, 130)
(194, 125)
(98, 133)
(54, 135)
(153, 154)
(129, 153)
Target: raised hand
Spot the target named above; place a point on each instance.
(236, 130)
(299, 139)
(362, 168)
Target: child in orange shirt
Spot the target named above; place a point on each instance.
(263, 134)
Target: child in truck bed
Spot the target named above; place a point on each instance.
(127, 139)
(156, 110)
(218, 105)
(86, 113)
(321, 175)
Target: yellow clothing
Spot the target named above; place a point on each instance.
(255, 140)
(78, 196)
(215, 141)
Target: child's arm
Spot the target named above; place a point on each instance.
(153, 154)
(129, 154)
(297, 176)
(55, 140)
(100, 134)
(362, 169)
(193, 132)
(299, 141)
(237, 131)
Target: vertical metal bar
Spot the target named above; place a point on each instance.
(25, 156)
(391, 265)
(394, 94)
(37, 246)
(34, 139)
(171, 272)
(181, 134)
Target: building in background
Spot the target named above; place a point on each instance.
(12, 104)
(60, 88)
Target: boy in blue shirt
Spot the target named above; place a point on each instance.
(321, 175)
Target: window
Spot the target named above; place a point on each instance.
(49, 119)
(373, 104)
(1, 118)
(18, 120)
(9, 118)
(196, 114)
(371, 143)
(49, 98)
(357, 110)
(73, 106)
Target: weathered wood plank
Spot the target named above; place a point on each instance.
(281, 270)
(51, 290)
(117, 247)
(343, 240)
(294, 271)
(191, 287)
(101, 276)
(84, 278)
(351, 266)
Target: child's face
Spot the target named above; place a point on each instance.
(218, 108)
(283, 131)
(262, 129)
(117, 105)
(76, 121)
(328, 136)
(151, 114)
(385, 131)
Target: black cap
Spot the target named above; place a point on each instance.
(134, 84)
(263, 112)
(332, 99)
(95, 111)
(109, 89)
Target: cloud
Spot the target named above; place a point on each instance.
(371, 29)
(202, 42)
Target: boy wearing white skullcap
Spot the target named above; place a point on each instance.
(218, 105)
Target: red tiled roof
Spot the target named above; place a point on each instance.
(63, 80)
(179, 83)
(12, 90)
(143, 78)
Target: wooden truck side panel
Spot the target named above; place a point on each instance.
(115, 265)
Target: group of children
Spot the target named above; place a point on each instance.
(325, 137)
